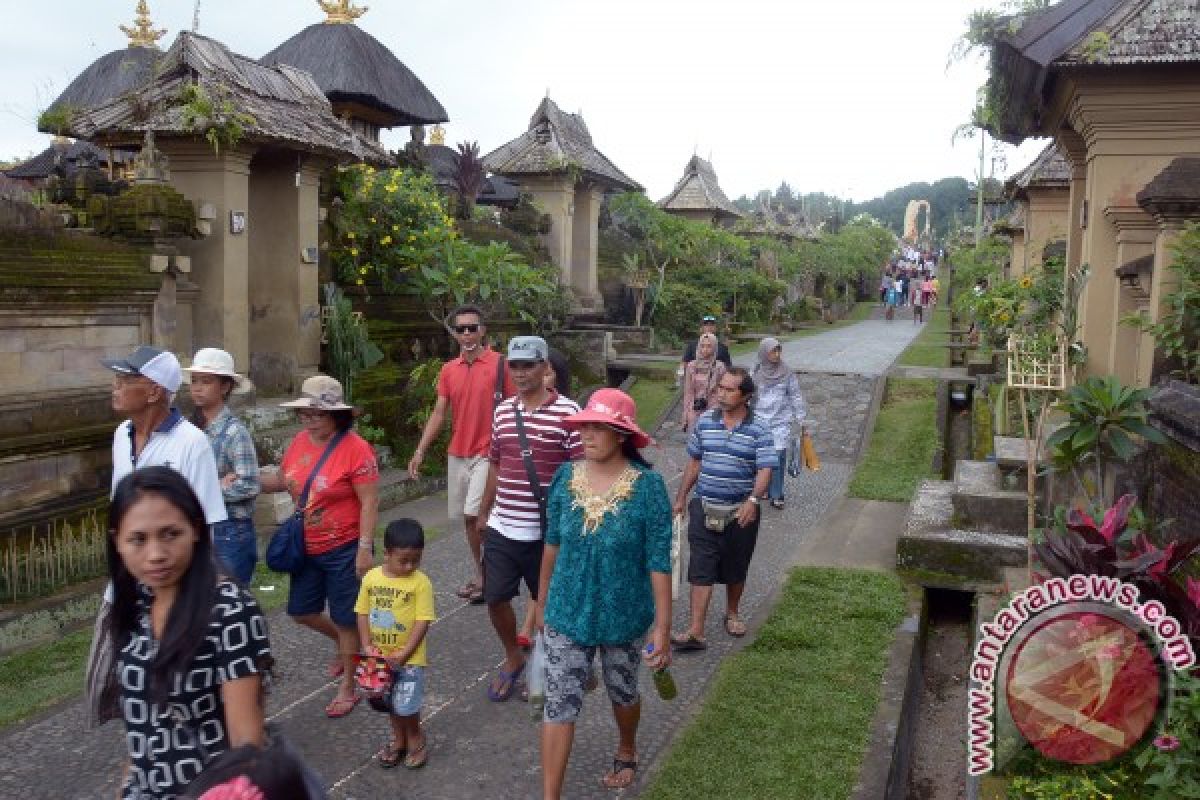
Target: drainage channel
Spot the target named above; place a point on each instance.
(937, 768)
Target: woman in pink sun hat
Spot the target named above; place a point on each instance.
(605, 582)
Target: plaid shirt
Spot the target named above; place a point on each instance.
(234, 452)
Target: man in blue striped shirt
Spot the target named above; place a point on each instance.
(732, 456)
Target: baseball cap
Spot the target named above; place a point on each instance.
(708, 318)
(528, 348)
(160, 366)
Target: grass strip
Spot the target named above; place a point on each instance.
(902, 445)
(929, 348)
(789, 716)
(36, 679)
(652, 396)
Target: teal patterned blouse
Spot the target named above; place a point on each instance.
(600, 590)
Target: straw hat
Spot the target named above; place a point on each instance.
(213, 361)
(322, 393)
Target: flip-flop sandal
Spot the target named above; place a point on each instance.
(508, 683)
(339, 706)
(734, 625)
(468, 590)
(390, 755)
(610, 780)
(688, 643)
(417, 758)
(476, 596)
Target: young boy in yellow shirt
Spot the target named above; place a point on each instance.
(395, 609)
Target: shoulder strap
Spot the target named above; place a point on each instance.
(530, 471)
(333, 443)
(498, 394)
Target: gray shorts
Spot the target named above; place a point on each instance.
(568, 666)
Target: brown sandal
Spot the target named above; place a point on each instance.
(734, 625)
(390, 755)
(417, 758)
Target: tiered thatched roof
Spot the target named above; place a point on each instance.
(556, 143)
(698, 190)
(284, 103)
(353, 67)
(69, 154)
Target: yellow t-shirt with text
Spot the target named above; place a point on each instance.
(392, 606)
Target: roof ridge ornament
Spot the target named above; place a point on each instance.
(341, 12)
(437, 136)
(143, 34)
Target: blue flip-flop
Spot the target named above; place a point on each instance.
(508, 680)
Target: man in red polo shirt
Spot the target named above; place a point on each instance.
(469, 386)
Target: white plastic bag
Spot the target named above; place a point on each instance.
(536, 672)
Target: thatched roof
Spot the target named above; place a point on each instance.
(698, 190)
(775, 222)
(286, 105)
(109, 76)
(1174, 192)
(41, 165)
(1084, 33)
(1050, 170)
(555, 143)
(352, 66)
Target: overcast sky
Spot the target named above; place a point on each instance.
(850, 97)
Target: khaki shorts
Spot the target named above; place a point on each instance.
(466, 478)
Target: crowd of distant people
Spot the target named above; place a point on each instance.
(551, 495)
(910, 281)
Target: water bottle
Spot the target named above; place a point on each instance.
(664, 684)
(537, 677)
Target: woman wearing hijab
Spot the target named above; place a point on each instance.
(700, 380)
(778, 404)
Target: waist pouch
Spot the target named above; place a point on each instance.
(717, 516)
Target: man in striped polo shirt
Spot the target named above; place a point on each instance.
(512, 539)
(732, 456)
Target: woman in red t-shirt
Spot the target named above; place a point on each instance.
(339, 523)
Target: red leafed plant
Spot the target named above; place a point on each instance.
(1079, 545)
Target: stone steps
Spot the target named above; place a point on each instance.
(980, 500)
(935, 551)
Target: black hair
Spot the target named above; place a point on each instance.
(343, 420)
(466, 309)
(187, 623)
(277, 772)
(404, 533)
(633, 454)
(562, 372)
(746, 386)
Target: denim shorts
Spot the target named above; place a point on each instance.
(407, 692)
(328, 577)
(236, 544)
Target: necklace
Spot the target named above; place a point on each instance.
(596, 505)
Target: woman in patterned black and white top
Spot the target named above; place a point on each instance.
(191, 645)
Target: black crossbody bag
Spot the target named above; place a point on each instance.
(530, 471)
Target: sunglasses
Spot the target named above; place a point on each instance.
(472, 327)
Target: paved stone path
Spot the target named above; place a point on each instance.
(478, 749)
(864, 348)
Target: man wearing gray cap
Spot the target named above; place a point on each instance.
(154, 433)
(529, 443)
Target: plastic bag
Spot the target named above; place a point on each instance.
(537, 676)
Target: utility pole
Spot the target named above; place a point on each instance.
(979, 192)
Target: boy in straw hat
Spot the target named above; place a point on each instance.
(212, 379)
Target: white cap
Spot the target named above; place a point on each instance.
(160, 366)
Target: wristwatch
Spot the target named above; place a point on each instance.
(753, 499)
